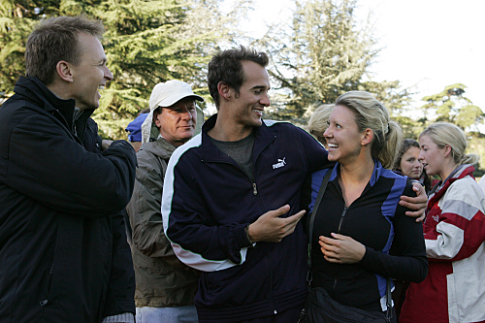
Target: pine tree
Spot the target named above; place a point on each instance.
(324, 55)
(17, 19)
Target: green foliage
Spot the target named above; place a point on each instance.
(146, 42)
(451, 106)
(476, 145)
(16, 21)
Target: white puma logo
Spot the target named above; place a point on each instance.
(280, 163)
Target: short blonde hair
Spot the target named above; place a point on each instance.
(442, 134)
(370, 113)
(318, 122)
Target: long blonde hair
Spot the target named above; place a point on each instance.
(442, 134)
(370, 113)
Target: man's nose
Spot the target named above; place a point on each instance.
(107, 74)
(265, 101)
(186, 115)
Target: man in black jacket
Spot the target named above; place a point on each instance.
(63, 250)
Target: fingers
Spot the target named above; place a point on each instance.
(332, 259)
(419, 188)
(330, 249)
(279, 212)
(272, 227)
(413, 203)
(421, 218)
(341, 249)
(293, 220)
(419, 215)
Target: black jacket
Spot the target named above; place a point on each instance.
(63, 250)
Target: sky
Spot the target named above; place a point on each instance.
(425, 44)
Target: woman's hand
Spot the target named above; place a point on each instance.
(341, 249)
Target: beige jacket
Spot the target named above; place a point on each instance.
(161, 279)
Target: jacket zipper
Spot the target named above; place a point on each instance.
(46, 300)
(342, 216)
(255, 193)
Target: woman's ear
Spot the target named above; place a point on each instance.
(367, 136)
(447, 150)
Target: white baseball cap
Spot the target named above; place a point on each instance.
(170, 92)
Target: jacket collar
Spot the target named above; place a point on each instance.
(33, 90)
(263, 137)
(459, 172)
(160, 147)
(376, 173)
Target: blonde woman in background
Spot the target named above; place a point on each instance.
(318, 122)
(454, 231)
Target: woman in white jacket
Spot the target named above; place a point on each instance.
(454, 231)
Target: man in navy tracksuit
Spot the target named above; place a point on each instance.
(231, 200)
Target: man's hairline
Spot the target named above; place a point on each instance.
(76, 60)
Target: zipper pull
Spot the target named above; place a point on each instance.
(255, 191)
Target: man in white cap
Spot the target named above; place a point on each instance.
(165, 287)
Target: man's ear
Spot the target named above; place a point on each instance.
(63, 69)
(224, 90)
(367, 136)
(156, 121)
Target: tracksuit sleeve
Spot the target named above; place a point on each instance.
(195, 240)
(314, 152)
(458, 230)
(407, 259)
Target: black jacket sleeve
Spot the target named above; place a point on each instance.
(407, 259)
(121, 285)
(48, 165)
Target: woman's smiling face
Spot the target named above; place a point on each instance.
(342, 135)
